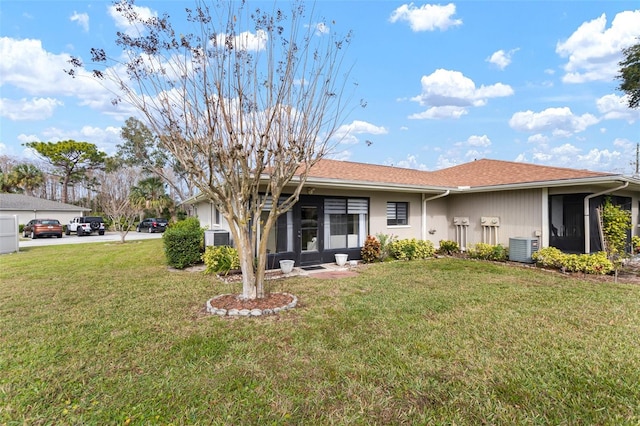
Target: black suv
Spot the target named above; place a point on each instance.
(152, 224)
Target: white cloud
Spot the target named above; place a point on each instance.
(28, 67)
(569, 155)
(411, 162)
(614, 107)
(437, 113)
(501, 58)
(455, 92)
(445, 161)
(321, 28)
(559, 121)
(346, 134)
(428, 17)
(481, 141)
(246, 40)
(123, 23)
(82, 19)
(538, 139)
(28, 109)
(624, 144)
(593, 51)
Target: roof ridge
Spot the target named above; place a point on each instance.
(540, 165)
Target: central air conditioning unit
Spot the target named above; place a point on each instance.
(217, 237)
(521, 249)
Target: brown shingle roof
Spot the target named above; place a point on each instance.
(474, 174)
(361, 172)
(495, 172)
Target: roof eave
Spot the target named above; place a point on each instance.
(551, 183)
(370, 186)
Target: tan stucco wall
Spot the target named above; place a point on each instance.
(519, 213)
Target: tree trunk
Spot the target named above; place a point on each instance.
(65, 186)
(245, 253)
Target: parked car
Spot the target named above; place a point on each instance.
(152, 224)
(86, 225)
(42, 228)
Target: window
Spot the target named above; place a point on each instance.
(345, 222)
(280, 238)
(397, 213)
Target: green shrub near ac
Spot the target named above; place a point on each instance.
(551, 257)
(221, 259)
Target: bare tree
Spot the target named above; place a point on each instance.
(115, 199)
(247, 104)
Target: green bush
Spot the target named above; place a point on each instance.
(21, 228)
(448, 247)
(385, 242)
(635, 244)
(371, 251)
(221, 259)
(183, 243)
(548, 257)
(551, 257)
(411, 249)
(486, 251)
(616, 222)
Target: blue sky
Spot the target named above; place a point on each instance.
(445, 83)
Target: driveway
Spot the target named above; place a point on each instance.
(93, 238)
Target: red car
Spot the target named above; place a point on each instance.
(43, 228)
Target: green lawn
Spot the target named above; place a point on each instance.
(106, 334)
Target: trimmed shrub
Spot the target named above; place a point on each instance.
(371, 251)
(221, 259)
(183, 243)
(551, 257)
(448, 247)
(548, 257)
(484, 251)
(411, 249)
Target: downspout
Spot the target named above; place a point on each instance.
(587, 229)
(424, 211)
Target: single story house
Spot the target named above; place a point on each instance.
(27, 208)
(487, 201)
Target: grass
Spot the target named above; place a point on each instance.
(108, 335)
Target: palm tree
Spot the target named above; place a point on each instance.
(150, 195)
(27, 177)
(6, 184)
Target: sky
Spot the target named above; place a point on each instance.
(444, 83)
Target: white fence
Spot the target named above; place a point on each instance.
(9, 238)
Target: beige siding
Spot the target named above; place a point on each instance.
(438, 223)
(519, 214)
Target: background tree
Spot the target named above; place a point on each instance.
(629, 74)
(114, 196)
(27, 177)
(6, 165)
(149, 196)
(141, 148)
(247, 104)
(70, 159)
